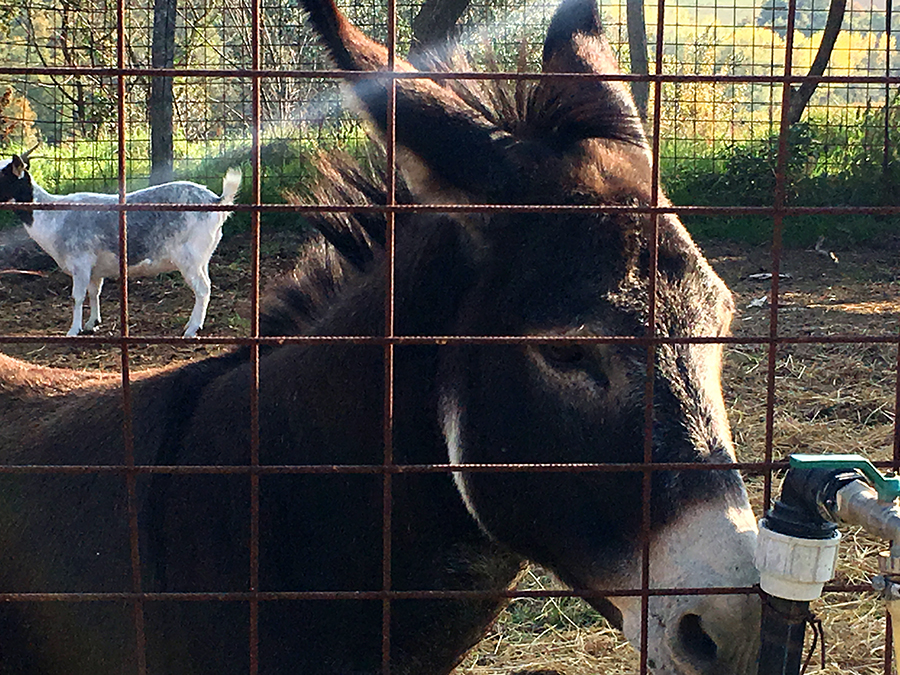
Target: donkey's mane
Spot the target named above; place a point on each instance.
(533, 108)
(343, 246)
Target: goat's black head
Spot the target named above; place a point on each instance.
(16, 185)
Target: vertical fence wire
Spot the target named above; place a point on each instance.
(255, 225)
(652, 355)
(888, 152)
(127, 408)
(777, 230)
(388, 467)
(387, 582)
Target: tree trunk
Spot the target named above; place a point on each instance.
(436, 22)
(162, 101)
(800, 96)
(637, 47)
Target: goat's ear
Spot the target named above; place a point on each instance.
(575, 109)
(18, 166)
(454, 148)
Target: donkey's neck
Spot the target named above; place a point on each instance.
(334, 401)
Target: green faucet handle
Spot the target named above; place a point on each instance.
(887, 487)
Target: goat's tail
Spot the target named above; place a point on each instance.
(230, 185)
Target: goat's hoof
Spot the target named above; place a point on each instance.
(73, 333)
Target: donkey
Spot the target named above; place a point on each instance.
(573, 283)
(85, 244)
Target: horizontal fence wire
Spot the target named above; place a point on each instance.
(231, 78)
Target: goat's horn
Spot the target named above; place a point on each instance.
(25, 154)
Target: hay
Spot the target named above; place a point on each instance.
(557, 634)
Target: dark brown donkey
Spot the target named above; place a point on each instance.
(577, 276)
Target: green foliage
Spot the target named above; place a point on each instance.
(824, 165)
(744, 174)
(285, 166)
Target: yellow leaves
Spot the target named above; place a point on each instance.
(713, 111)
(16, 119)
(43, 25)
(761, 51)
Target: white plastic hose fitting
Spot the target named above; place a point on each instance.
(793, 568)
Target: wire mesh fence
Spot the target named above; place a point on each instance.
(738, 51)
(251, 87)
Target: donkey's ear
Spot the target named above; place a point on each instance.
(574, 109)
(454, 147)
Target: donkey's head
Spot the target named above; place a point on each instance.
(581, 276)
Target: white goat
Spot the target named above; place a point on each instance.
(85, 244)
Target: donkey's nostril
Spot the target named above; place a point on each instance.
(694, 640)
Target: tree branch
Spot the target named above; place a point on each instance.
(162, 99)
(800, 96)
(637, 47)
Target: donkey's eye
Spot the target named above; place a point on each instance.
(564, 354)
(571, 357)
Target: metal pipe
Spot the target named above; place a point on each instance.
(796, 554)
(857, 504)
(818, 492)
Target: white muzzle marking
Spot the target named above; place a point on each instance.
(710, 546)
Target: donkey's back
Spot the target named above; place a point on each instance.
(64, 512)
(33, 398)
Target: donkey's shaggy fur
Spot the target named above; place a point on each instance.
(574, 284)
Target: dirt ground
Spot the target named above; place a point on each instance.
(825, 293)
(35, 299)
(828, 398)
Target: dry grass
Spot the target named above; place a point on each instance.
(558, 634)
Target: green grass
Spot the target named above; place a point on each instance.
(826, 165)
(840, 231)
(532, 615)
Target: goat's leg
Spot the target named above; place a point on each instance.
(94, 287)
(81, 279)
(198, 279)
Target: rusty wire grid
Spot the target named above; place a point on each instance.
(254, 74)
